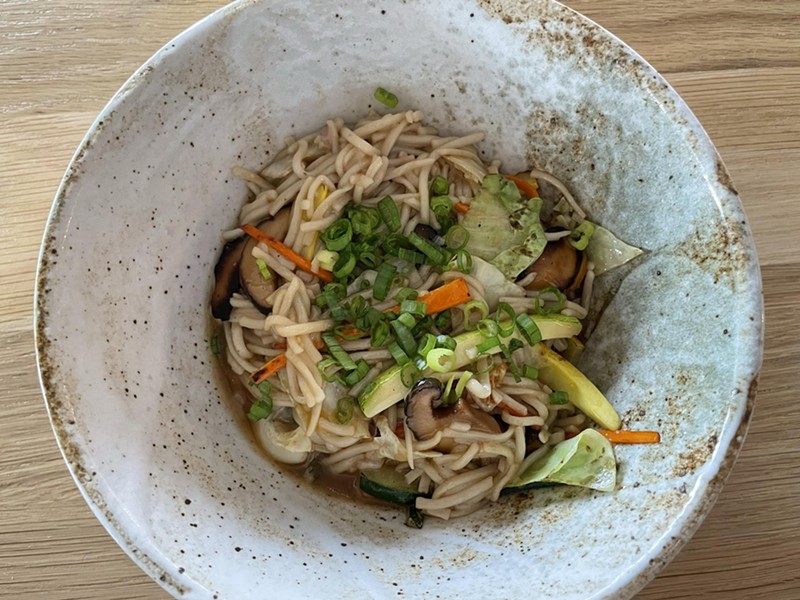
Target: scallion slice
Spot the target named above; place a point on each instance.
(407, 320)
(264, 269)
(385, 97)
(462, 383)
(561, 300)
(337, 352)
(357, 374)
(474, 311)
(456, 237)
(389, 213)
(397, 353)
(488, 328)
(441, 204)
(338, 235)
(383, 281)
(409, 373)
(558, 397)
(378, 333)
(426, 344)
(328, 367)
(581, 235)
(344, 409)
(441, 360)
(505, 314)
(413, 307)
(404, 337)
(431, 251)
(445, 341)
(528, 329)
(488, 344)
(344, 266)
(530, 372)
(439, 186)
(464, 261)
(214, 345)
(406, 293)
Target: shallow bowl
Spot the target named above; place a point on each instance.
(122, 325)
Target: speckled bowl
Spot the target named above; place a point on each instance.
(125, 269)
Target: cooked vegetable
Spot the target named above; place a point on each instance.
(525, 183)
(385, 97)
(557, 266)
(587, 460)
(268, 369)
(558, 373)
(461, 207)
(495, 284)
(631, 437)
(287, 252)
(226, 279)
(388, 388)
(505, 229)
(389, 485)
(251, 277)
(608, 252)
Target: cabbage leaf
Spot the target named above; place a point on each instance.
(607, 251)
(504, 228)
(587, 460)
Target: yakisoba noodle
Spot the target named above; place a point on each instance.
(454, 434)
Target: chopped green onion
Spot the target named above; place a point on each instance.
(441, 360)
(488, 328)
(346, 332)
(337, 352)
(415, 258)
(528, 329)
(263, 269)
(327, 259)
(213, 343)
(439, 186)
(456, 237)
(530, 372)
(441, 204)
(474, 311)
(409, 373)
(488, 344)
(464, 261)
(432, 251)
(515, 345)
(505, 314)
(407, 320)
(445, 341)
(260, 409)
(426, 344)
(357, 374)
(447, 398)
(539, 303)
(389, 213)
(406, 293)
(423, 326)
(362, 221)
(385, 97)
(378, 333)
(581, 235)
(558, 397)
(462, 382)
(344, 409)
(404, 337)
(397, 353)
(443, 319)
(368, 258)
(338, 235)
(327, 368)
(357, 307)
(365, 284)
(413, 307)
(344, 266)
(383, 281)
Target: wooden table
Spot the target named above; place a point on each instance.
(737, 64)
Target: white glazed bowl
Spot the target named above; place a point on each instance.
(124, 279)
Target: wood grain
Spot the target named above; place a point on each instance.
(737, 64)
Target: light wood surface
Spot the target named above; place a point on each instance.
(737, 64)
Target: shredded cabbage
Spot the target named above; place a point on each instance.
(587, 460)
(607, 251)
(505, 229)
(495, 284)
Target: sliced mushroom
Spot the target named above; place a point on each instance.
(254, 284)
(429, 233)
(556, 266)
(425, 414)
(226, 279)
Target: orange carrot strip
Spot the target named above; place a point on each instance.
(630, 437)
(461, 207)
(446, 296)
(530, 189)
(284, 250)
(269, 368)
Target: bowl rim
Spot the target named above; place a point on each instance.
(630, 581)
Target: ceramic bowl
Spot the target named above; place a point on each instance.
(122, 324)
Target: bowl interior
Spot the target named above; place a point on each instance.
(126, 266)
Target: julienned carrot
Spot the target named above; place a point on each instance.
(461, 207)
(446, 296)
(529, 188)
(630, 437)
(269, 368)
(284, 250)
